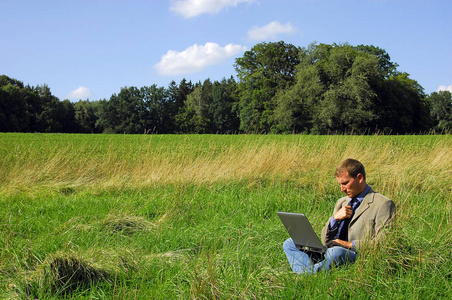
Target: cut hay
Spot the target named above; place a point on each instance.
(64, 273)
(127, 224)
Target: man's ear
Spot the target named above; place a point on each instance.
(360, 178)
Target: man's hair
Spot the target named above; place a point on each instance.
(352, 166)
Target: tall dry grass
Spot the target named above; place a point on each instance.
(103, 162)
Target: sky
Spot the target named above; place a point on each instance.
(90, 49)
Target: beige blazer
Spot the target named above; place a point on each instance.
(374, 213)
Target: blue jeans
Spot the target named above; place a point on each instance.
(301, 263)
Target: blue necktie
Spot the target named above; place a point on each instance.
(343, 227)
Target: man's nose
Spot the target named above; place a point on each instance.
(343, 188)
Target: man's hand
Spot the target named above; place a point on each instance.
(341, 243)
(343, 213)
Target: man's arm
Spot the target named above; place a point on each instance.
(338, 242)
(343, 213)
(331, 228)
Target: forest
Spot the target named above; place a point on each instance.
(278, 88)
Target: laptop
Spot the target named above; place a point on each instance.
(302, 233)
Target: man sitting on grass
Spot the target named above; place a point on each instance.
(357, 218)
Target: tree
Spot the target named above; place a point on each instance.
(86, 114)
(263, 71)
(347, 103)
(224, 107)
(200, 99)
(64, 116)
(153, 112)
(441, 110)
(187, 121)
(333, 91)
(122, 113)
(294, 110)
(46, 109)
(402, 106)
(341, 88)
(5, 80)
(25, 109)
(135, 110)
(384, 60)
(14, 115)
(176, 97)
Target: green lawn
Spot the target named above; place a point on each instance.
(166, 217)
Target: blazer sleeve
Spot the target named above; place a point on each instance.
(328, 233)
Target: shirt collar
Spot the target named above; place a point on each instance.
(363, 194)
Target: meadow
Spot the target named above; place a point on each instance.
(194, 216)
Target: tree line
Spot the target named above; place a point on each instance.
(280, 88)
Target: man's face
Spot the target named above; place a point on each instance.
(351, 186)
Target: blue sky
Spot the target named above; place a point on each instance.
(92, 48)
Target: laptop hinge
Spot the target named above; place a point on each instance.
(313, 249)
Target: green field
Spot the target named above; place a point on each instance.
(194, 216)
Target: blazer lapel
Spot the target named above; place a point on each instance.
(364, 205)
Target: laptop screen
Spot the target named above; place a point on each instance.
(301, 231)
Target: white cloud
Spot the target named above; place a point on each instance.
(270, 31)
(195, 58)
(80, 93)
(193, 8)
(445, 88)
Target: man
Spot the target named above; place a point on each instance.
(357, 219)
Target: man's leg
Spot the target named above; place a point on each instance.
(336, 256)
(301, 263)
(298, 260)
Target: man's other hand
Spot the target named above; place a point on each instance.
(341, 243)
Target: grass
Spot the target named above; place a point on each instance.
(194, 217)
